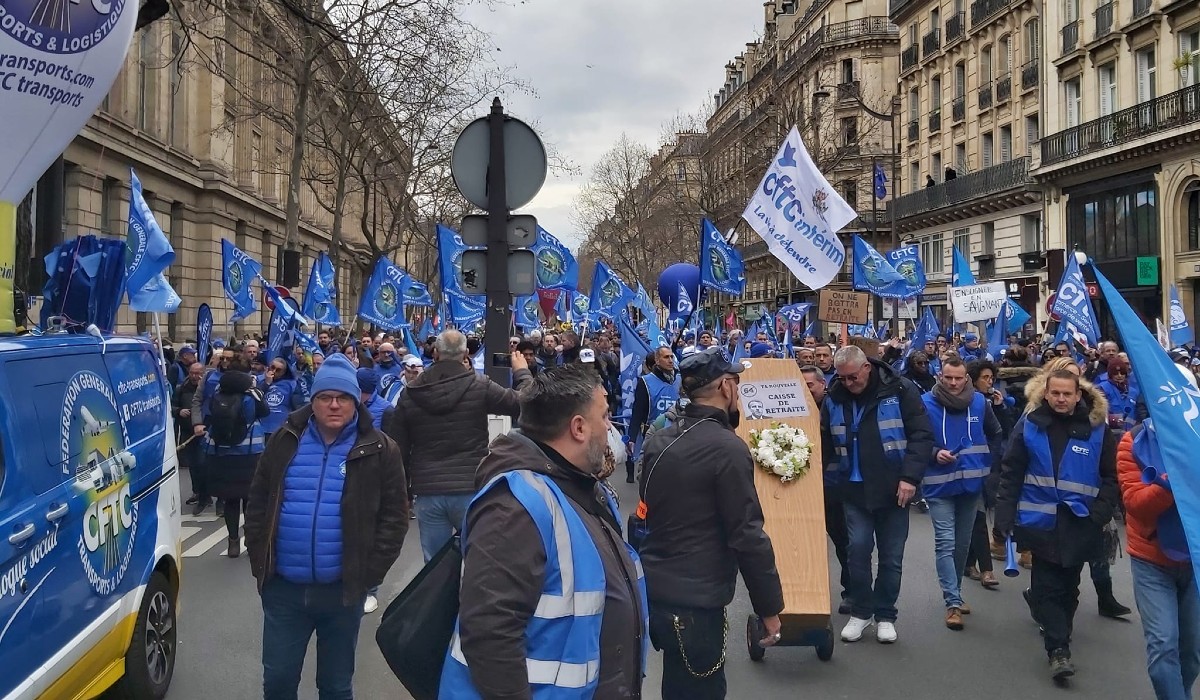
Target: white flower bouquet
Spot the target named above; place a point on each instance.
(781, 450)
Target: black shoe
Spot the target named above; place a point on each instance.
(191, 501)
(200, 507)
(1107, 604)
(844, 607)
(629, 480)
(1061, 667)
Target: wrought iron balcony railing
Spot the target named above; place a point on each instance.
(981, 183)
(984, 10)
(958, 108)
(1003, 88)
(956, 26)
(931, 42)
(1104, 20)
(908, 58)
(935, 122)
(1070, 37)
(1141, 8)
(985, 96)
(914, 130)
(847, 92)
(1031, 74)
(1172, 110)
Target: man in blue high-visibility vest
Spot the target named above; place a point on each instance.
(656, 393)
(1058, 489)
(552, 602)
(966, 437)
(876, 438)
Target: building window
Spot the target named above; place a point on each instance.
(936, 165)
(960, 157)
(989, 238)
(960, 79)
(962, 242)
(933, 255)
(986, 149)
(1032, 134)
(1073, 101)
(681, 171)
(1031, 233)
(914, 176)
(1003, 56)
(1115, 224)
(849, 131)
(850, 193)
(1005, 143)
(985, 65)
(1189, 47)
(1071, 10)
(914, 105)
(1033, 40)
(1146, 88)
(145, 78)
(1107, 78)
(847, 70)
(935, 94)
(1192, 224)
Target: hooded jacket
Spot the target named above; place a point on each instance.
(1013, 381)
(440, 424)
(504, 569)
(881, 477)
(1073, 540)
(374, 505)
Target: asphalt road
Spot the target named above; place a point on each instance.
(998, 655)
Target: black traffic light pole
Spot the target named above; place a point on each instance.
(498, 318)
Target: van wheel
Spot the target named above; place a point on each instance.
(150, 661)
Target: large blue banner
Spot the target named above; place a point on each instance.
(907, 262)
(1074, 305)
(382, 300)
(873, 273)
(556, 266)
(320, 295)
(609, 292)
(237, 275)
(721, 266)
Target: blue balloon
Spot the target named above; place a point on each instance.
(679, 289)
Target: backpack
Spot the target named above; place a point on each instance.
(227, 424)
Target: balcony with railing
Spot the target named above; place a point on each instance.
(1176, 109)
(958, 109)
(1031, 74)
(1070, 37)
(1141, 8)
(931, 42)
(984, 10)
(914, 130)
(1104, 20)
(935, 122)
(965, 188)
(956, 26)
(986, 95)
(865, 27)
(1003, 88)
(848, 92)
(908, 58)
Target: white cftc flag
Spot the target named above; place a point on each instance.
(798, 213)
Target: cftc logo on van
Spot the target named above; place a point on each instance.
(93, 441)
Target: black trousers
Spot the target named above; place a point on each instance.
(692, 641)
(1054, 596)
(980, 555)
(835, 527)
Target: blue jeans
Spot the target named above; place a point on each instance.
(1170, 608)
(291, 613)
(953, 519)
(439, 517)
(887, 528)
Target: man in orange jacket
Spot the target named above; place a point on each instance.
(1164, 584)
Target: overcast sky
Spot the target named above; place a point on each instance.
(607, 66)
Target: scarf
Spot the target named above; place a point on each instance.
(954, 402)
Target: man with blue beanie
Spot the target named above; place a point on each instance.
(368, 383)
(326, 517)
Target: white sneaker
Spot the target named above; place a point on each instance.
(853, 631)
(371, 605)
(885, 632)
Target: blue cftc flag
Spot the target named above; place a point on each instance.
(961, 274)
(1174, 404)
(320, 294)
(204, 326)
(874, 274)
(609, 293)
(721, 266)
(382, 301)
(556, 266)
(1181, 331)
(1016, 317)
(795, 313)
(417, 293)
(907, 261)
(148, 252)
(1074, 305)
(238, 272)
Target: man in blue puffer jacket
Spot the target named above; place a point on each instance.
(327, 514)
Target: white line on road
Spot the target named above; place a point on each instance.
(207, 543)
(187, 531)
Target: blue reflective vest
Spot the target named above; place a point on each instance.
(662, 395)
(253, 444)
(1121, 403)
(1077, 484)
(843, 426)
(961, 433)
(562, 639)
(282, 398)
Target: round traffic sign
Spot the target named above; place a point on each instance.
(524, 162)
(270, 302)
(1050, 307)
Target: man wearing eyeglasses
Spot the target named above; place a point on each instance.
(327, 514)
(876, 437)
(1122, 396)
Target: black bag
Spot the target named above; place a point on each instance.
(227, 424)
(417, 626)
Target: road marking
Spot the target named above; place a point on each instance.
(212, 518)
(207, 543)
(187, 531)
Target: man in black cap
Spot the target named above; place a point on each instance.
(704, 523)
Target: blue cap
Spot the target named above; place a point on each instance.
(337, 374)
(187, 348)
(970, 338)
(760, 349)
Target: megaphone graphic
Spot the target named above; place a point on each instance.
(1011, 569)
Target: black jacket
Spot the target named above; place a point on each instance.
(880, 478)
(1074, 540)
(704, 519)
(504, 571)
(924, 381)
(440, 424)
(374, 505)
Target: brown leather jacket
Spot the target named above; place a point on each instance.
(374, 505)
